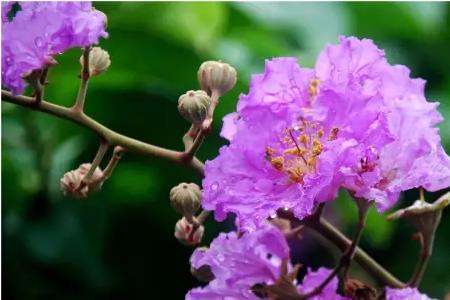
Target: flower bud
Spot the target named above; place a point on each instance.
(193, 106)
(99, 61)
(216, 76)
(70, 185)
(185, 198)
(189, 233)
(95, 182)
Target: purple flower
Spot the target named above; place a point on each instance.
(300, 134)
(6, 8)
(239, 263)
(405, 294)
(314, 279)
(399, 147)
(39, 31)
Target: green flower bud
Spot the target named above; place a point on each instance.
(216, 76)
(185, 198)
(193, 106)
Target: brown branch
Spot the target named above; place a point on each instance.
(111, 137)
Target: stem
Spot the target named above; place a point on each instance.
(420, 269)
(333, 235)
(206, 125)
(41, 86)
(110, 136)
(346, 258)
(188, 137)
(426, 243)
(190, 153)
(81, 96)
(117, 155)
(96, 162)
(202, 216)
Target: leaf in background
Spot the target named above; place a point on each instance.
(378, 231)
(407, 20)
(312, 25)
(190, 24)
(133, 182)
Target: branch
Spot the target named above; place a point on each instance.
(111, 137)
(333, 235)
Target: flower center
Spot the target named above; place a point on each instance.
(298, 149)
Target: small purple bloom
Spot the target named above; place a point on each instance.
(41, 30)
(405, 294)
(314, 278)
(354, 121)
(239, 263)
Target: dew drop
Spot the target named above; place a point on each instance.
(214, 186)
(38, 42)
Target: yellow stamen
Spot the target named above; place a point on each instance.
(317, 148)
(313, 88)
(277, 162)
(333, 133)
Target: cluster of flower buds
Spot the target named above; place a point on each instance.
(215, 78)
(99, 61)
(73, 185)
(185, 198)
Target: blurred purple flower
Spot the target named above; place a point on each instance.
(314, 278)
(300, 134)
(6, 8)
(41, 30)
(405, 294)
(239, 263)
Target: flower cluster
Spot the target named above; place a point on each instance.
(239, 268)
(354, 121)
(41, 30)
(240, 265)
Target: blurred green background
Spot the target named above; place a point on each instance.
(118, 243)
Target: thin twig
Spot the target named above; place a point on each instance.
(84, 80)
(336, 237)
(117, 155)
(346, 258)
(96, 162)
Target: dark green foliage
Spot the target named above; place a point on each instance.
(118, 243)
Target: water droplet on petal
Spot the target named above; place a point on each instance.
(214, 186)
(38, 42)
